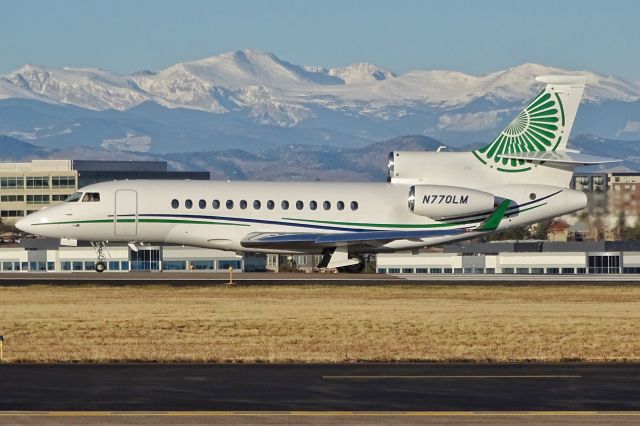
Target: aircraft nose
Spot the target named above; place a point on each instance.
(24, 225)
(27, 224)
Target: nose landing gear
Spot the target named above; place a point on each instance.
(101, 265)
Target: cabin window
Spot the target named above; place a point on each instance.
(229, 204)
(340, 205)
(188, 204)
(313, 205)
(73, 197)
(91, 197)
(354, 205)
(326, 205)
(299, 205)
(243, 204)
(175, 203)
(202, 204)
(285, 205)
(257, 204)
(216, 204)
(270, 204)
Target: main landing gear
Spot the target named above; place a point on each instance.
(101, 265)
(342, 260)
(355, 268)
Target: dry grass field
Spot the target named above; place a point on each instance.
(320, 323)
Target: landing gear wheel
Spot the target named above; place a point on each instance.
(353, 269)
(101, 265)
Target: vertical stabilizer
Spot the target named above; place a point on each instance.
(544, 125)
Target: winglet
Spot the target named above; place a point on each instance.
(493, 221)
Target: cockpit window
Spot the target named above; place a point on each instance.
(73, 197)
(91, 197)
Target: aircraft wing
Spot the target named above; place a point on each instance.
(301, 240)
(564, 157)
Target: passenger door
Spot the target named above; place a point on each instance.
(125, 218)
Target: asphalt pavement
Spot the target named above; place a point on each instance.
(424, 387)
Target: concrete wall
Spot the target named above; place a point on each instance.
(425, 260)
(533, 260)
(631, 259)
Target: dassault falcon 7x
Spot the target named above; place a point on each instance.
(521, 177)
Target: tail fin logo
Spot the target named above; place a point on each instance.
(536, 128)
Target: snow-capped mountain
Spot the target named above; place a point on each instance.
(255, 99)
(248, 77)
(87, 88)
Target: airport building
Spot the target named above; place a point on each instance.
(575, 257)
(28, 187)
(40, 255)
(531, 258)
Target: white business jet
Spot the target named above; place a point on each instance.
(521, 177)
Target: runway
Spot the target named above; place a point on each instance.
(266, 278)
(320, 388)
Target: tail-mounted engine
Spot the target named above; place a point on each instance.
(440, 202)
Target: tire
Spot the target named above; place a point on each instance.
(101, 266)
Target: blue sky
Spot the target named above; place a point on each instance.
(469, 36)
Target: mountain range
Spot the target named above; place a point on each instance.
(256, 102)
(302, 162)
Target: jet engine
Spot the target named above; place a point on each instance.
(440, 202)
(413, 165)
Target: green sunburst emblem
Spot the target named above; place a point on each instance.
(536, 128)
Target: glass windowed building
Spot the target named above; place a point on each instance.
(27, 187)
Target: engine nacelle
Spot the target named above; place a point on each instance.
(403, 165)
(440, 202)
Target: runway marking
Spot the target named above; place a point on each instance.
(528, 376)
(314, 413)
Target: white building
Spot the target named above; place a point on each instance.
(45, 255)
(592, 257)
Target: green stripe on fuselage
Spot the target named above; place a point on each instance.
(190, 222)
(382, 225)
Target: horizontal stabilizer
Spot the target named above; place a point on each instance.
(564, 157)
